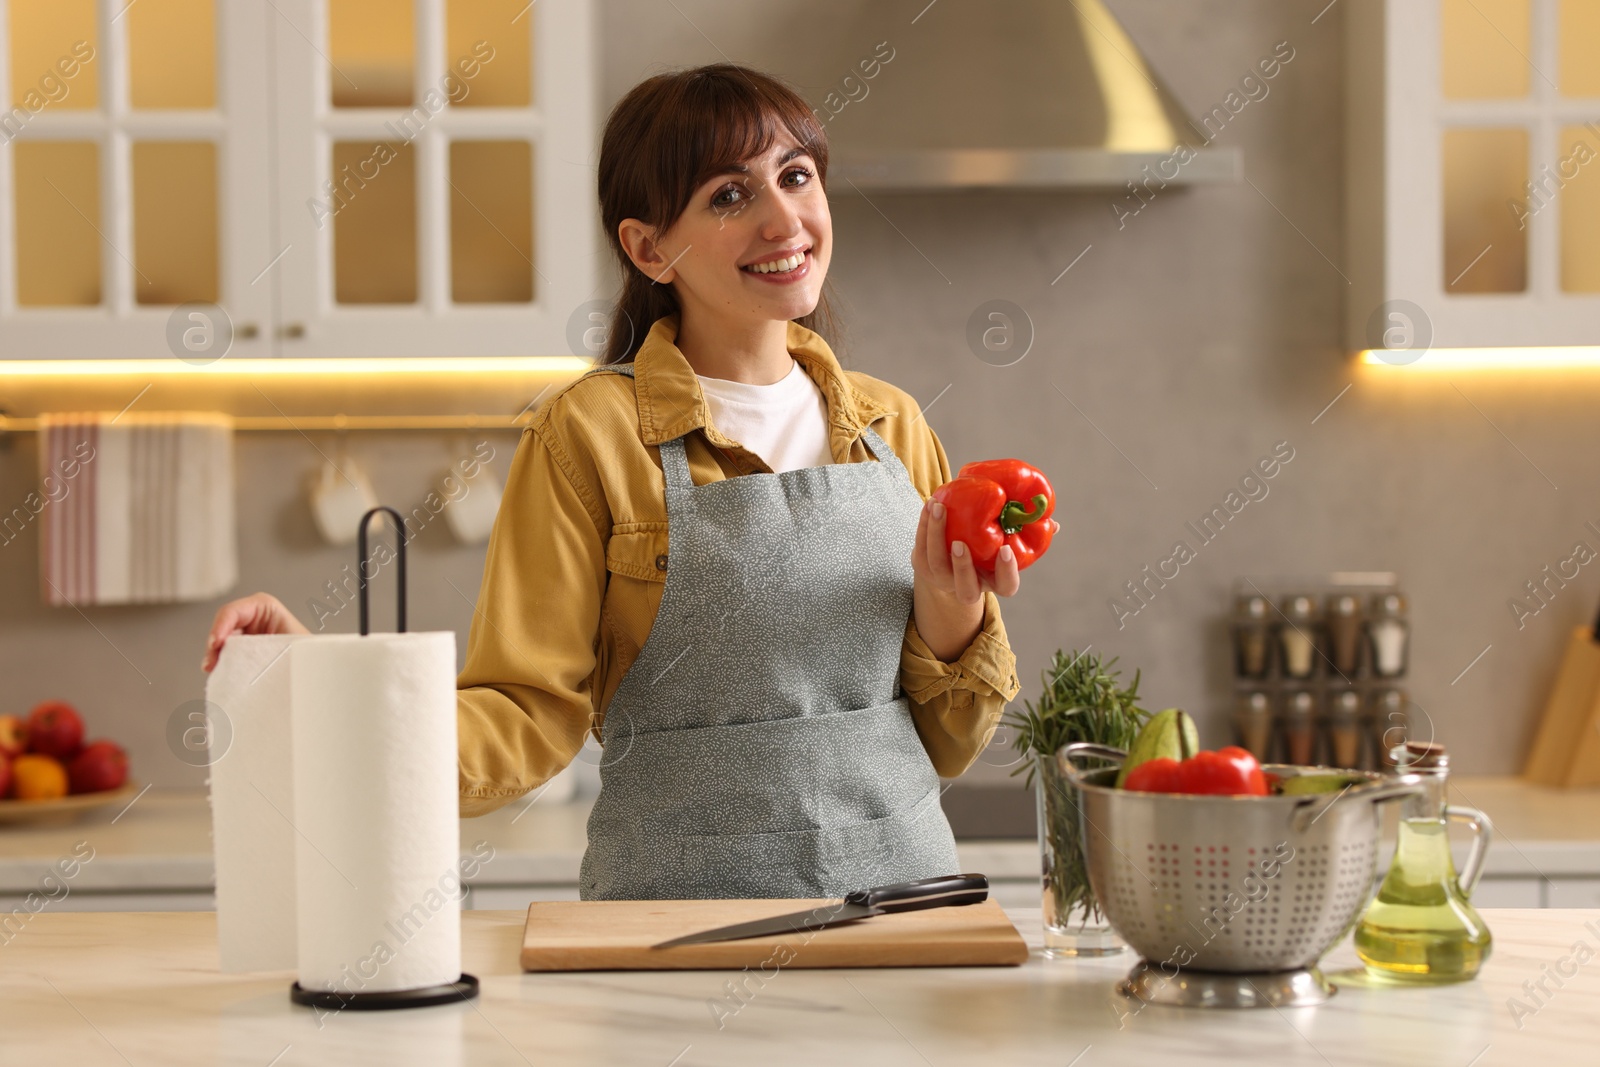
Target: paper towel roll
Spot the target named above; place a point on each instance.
(252, 803)
(378, 844)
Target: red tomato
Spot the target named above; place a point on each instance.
(1228, 771)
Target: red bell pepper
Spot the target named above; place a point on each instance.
(998, 502)
(1228, 771)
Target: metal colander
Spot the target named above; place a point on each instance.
(1230, 883)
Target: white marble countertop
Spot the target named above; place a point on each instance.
(123, 989)
(162, 842)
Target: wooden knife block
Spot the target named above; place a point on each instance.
(1566, 750)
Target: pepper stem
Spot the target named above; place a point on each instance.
(1014, 516)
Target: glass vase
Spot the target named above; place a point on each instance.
(1074, 925)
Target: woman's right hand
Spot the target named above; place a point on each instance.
(259, 613)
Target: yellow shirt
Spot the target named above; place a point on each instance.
(577, 561)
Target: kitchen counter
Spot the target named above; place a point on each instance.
(156, 854)
(159, 848)
(131, 989)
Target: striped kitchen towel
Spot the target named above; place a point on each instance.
(139, 507)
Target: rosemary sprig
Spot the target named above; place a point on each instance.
(1081, 701)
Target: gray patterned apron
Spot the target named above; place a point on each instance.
(759, 746)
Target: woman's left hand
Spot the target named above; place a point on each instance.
(949, 590)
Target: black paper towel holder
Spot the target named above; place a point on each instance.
(400, 574)
(463, 988)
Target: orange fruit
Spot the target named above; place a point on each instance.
(36, 777)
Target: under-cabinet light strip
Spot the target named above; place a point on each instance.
(1576, 356)
(355, 366)
(338, 423)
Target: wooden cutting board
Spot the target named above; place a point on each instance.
(616, 935)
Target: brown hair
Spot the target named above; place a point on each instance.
(662, 141)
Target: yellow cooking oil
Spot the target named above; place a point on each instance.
(1421, 928)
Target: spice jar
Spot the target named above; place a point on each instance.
(1300, 727)
(1389, 634)
(1297, 636)
(1344, 633)
(1390, 724)
(1252, 723)
(1344, 729)
(1252, 636)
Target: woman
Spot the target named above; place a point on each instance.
(714, 549)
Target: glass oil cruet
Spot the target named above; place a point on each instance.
(1420, 927)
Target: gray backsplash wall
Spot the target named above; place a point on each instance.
(1176, 353)
(129, 669)
(1179, 350)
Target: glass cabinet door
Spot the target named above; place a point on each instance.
(1519, 158)
(317, 177)
(434, 162)
(133, 164)
(1578, 144)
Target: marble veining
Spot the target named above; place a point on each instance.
(143, 988)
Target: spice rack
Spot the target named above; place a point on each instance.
(1319, 667)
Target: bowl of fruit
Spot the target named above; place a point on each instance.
(48, 772)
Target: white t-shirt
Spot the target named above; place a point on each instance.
(785, 423)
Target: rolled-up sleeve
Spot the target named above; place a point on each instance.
(524, 696)
(956, 706)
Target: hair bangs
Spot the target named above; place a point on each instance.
(729, 119)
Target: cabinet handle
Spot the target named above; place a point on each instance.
(293, 332)
(247, 331)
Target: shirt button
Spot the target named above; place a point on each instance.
(661, 562)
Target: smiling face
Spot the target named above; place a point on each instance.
(752, 245)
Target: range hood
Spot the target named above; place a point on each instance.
(1019, 94)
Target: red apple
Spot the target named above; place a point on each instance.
(54, 729)
(13, 737)
(100, 766)
(5, 773)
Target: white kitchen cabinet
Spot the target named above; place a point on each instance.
(341, 177)
(502, 897)
(1573, 893)
(1508, 893)
(1472, 145)
(1016, 893)
(134, 164)
(176, 900)
(436, 187)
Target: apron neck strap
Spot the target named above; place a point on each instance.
(675, 465)
(885, 455)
